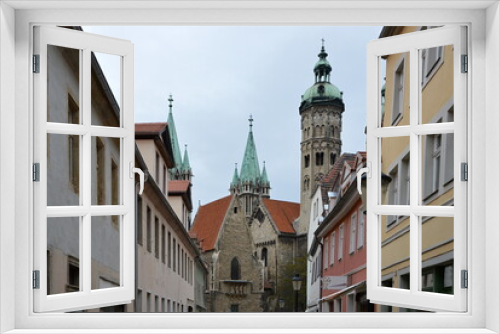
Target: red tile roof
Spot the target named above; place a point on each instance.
(208, 222)
(283, 213)
(150, 128)
(329, 179)
(178, 186)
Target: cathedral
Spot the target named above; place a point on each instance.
(249, 242)
(252, 244)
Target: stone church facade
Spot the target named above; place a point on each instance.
(249, 243)
(321, 111)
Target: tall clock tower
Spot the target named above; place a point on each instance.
(320, 111)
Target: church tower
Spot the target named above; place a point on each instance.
(250, 184)
(182, 169)
(320, 111)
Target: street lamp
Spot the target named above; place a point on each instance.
(297, 283)
(281, 304)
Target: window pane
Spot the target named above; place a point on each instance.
(395, 253)
(106, 89)
(436, 71)
(395, 177)
(63, 85)
(105, 169)
(437, 254)
(63, 254)
(437, 169)
(395, 92)
(105, 249)
(63, 170)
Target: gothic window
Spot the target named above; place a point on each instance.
(235, 269)
(333, 157)
(307, 160)
(332, 131)
(263, 256)
(319, 158)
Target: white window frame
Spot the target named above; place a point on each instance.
(412, 43)
(340, 250)
(332, 248)
(352, 234)
(15, 20)
(361, 229)
(86, 297)
(325, 253)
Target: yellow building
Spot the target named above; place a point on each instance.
(436, 71)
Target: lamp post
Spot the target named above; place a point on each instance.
(297, 283)
(281, 303)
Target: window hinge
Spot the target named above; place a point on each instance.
(464, 171)
(36, 279)
(36, 63)
(36, 172)
(465, 64)
(465, 279)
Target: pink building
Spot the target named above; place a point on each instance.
(341, 235)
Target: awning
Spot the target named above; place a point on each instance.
(344, 291)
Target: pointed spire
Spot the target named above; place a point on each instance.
(236, 180)
(173, 137)
(250, 165)
(264, 179)
(185, 160)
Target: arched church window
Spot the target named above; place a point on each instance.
(235, 269)
(332, 131)
(263, 256)
(333, 157)
(319, 158)
(307, 160)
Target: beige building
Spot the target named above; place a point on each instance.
(166, 254)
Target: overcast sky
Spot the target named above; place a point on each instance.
(218, 76)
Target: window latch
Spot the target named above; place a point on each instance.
(360, 173)
(139, 171)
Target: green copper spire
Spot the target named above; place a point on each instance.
(263, 178)
(250, 166)
(236, 180)
(173, 137)
(185, 160)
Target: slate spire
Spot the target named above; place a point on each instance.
(173, 137)
(250, 171)
(236, 179)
